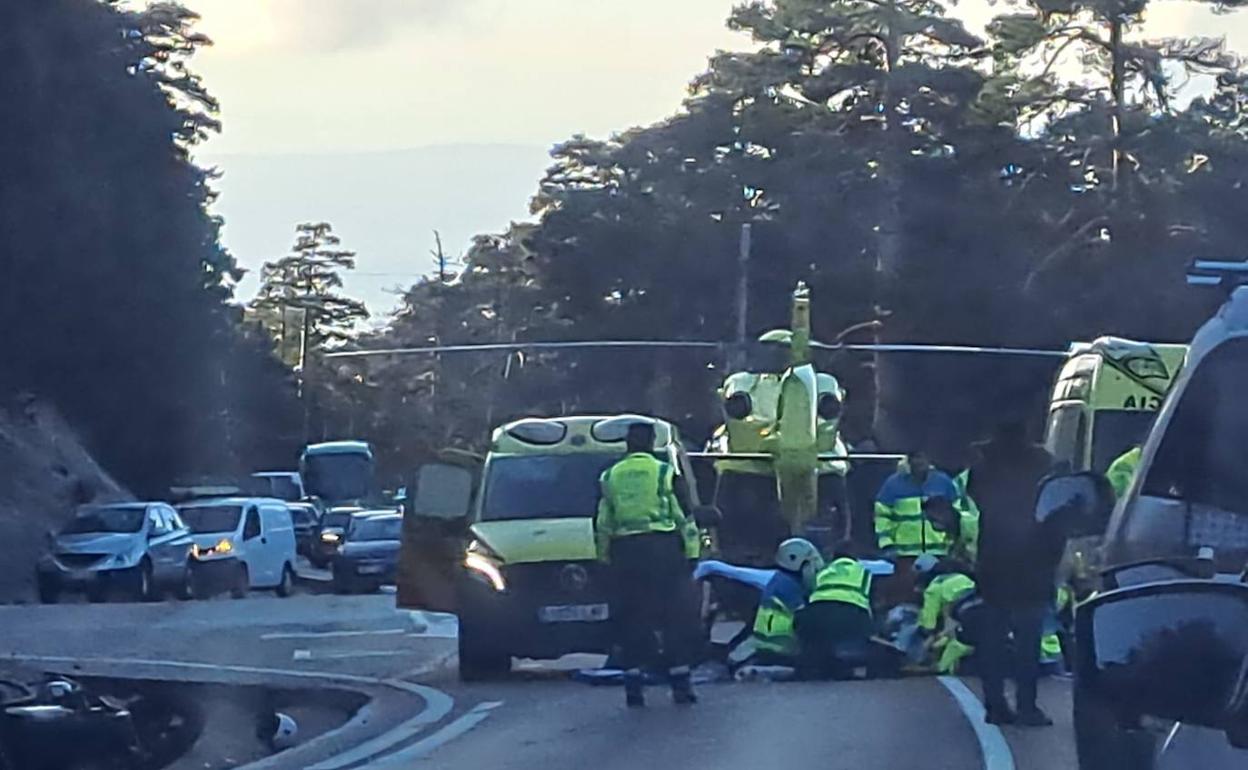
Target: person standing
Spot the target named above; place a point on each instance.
(901, 528)
(903, 532)
(1015, 573)
(642, 533)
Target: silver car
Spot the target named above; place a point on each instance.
(139, 549)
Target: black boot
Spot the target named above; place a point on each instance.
(634, 692)
(682, 689)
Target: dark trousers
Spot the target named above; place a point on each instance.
(835, 638)
(1001, 658)
(654, 602)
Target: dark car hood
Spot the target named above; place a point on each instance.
(365, 549)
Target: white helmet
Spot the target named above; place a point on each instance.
(799, 555)
(286, 734)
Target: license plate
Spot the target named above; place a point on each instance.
(81, 575)
(372, 569)
(573, 613)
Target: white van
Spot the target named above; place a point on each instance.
(241, 543)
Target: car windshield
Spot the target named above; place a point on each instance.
(339, 477)
(544, 486)
(282, 487)
(387, 528)
(1199, 460)
(106, 520)
(204, 519)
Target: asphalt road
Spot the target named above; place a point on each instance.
(422, 716)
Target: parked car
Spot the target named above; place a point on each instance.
(307, 521)
(241, 543)
(141, 549)
(329, 534)
(368, 555)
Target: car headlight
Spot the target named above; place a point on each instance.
(223, 548)
(483, 563)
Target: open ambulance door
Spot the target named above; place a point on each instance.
(435, 535)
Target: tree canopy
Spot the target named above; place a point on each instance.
(115, 285)
(953, 189)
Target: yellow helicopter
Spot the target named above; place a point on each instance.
(779, 458)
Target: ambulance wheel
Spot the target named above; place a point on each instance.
(477, 662)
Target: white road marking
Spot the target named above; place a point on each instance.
(349, 655)
(428, 744)
(301, 655)
(332, 634)
(992, 744)
(437, 703)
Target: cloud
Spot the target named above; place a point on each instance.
(339, 24)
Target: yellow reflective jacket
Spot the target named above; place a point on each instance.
(1122, 470)
(637, 497)
(844, 580)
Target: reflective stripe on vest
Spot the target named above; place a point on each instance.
(846, 581)
(773, 629)
(639, 489)
(904, 527)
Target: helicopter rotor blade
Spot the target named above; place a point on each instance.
(766, 456)
(922, 348)
(514, 346)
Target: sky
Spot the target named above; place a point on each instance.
(393, 118)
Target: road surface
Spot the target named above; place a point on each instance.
(422, 716)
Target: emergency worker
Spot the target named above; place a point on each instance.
(642, 533)
(1122, 470)
(836, 625)
(944, 583)
(798, 562)
(959, 525)
(901, 530)
(900, 527)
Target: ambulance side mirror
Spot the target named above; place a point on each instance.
(441, 491)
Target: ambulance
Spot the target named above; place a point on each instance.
(1105, 399)
(1104, 402)
(507, 543)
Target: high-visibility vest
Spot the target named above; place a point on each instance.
(773, 629)
(965, 502)
(899, 520)
(845, 580)
(940, 596)
(638, 498)
(966, 546)
(1122, 470)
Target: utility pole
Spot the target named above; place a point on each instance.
(743, 296)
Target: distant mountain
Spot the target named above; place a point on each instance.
(384, 205)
